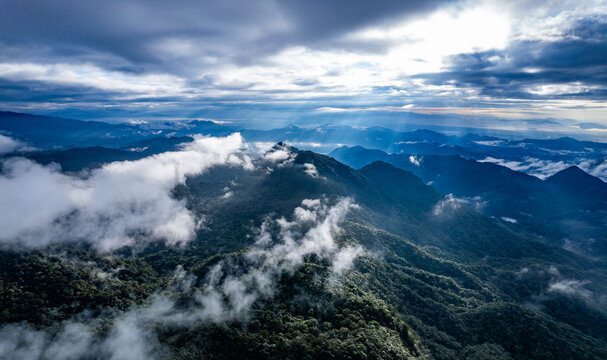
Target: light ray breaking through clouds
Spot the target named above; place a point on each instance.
(517, 61)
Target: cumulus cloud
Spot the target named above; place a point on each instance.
(415, 160)
(228, 292)
(310, 169)
(280, 154)
(113, 206)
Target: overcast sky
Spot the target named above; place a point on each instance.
(498, 64)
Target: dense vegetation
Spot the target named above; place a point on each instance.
(454, 285)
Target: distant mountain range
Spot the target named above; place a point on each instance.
(536, 157)
(571, 205)
(457, 258)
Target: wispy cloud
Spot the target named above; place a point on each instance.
(532, 166)
(447, 204)
(9, 145)
(570, 287)
(228, 292)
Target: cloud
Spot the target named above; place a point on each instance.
(117, 205)
(554, 284)
(310, 232)
(135, 48)
(130, 35)
(9, 145)
(125, 59)
(509, 219)
(563, 64)
(415, 160)
(448, 203)
(227, 293)
(595, 168)
(310, 169)
(490, 142)
(345, 258)
(570, 287)
(545, 168)
(280, 154)
(532, 166)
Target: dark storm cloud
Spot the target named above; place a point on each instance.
(579, 57)
(136, 35)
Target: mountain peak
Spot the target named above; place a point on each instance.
(578, 183)
(572, 173)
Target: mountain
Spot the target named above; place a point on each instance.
(589, 192)
(299, 255)
(570, 205)
(46, 131)
(578, 182)
(436, 280)
(530, 155)
(77, 159)
(396, 219)
(357, 156)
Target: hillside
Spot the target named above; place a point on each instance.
(568, 205)
(430, 282)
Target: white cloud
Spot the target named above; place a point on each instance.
(532, 166)
(449, 202)
(598, 168)
(113, 206)
(570, 287)
(345, 257)
(9, 145)
(222, 297)
(490, 142)
(415, 160)
(545, 168)
(310, 169)
(412, 47)
(132, 85)
(280, 155)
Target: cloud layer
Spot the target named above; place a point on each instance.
(111, 207)
(480, 60)
(545, 168)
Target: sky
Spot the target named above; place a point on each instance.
(519, 65)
